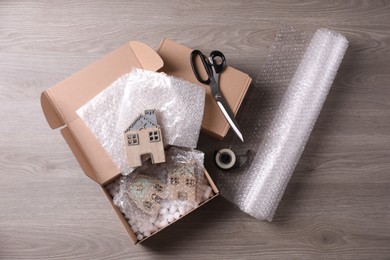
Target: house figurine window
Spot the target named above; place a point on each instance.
(132, 139)
(174, 180)
(154, 136)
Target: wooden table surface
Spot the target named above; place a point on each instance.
(337, 205)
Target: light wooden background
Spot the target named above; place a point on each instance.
(337, 205)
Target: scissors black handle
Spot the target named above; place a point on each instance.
(218, 62)
(206, 65)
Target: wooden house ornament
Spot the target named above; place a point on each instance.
(147, 193)
(144, 136)
(182, 183)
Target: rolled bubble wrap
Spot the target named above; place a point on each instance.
(278, 117)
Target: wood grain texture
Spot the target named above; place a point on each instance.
(337, 205)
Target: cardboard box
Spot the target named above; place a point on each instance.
(233, 83)
(60, 102)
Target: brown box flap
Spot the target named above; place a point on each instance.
(59, 104)
(233, 83)
(103, 167)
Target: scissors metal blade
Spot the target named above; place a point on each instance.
(229, 117)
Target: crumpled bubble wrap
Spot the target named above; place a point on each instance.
(278, 117)
(160, 173)
(100, 115)
(179, 105)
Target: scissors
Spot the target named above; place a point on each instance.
(214, 65)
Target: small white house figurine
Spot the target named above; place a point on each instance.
(143, 136)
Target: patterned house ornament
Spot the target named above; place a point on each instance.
(143, 136)
(182, 183)
(147, 193)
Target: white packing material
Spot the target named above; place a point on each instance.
(179, 105)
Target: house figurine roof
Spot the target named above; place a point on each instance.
(144, 121)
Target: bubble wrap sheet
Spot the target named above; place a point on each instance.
(278, 117)
(179, 105)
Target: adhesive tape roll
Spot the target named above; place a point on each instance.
(225, 159)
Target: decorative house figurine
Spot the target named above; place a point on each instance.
(182, 183)
(147, 193)
(143, 136)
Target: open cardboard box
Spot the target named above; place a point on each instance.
(60, 102)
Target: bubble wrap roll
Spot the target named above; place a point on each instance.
(279, 117)
(294, 120)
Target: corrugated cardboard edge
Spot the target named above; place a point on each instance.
(78, 153)
(51, 111)
(103, 167)
(148, 58)
(127, 227)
